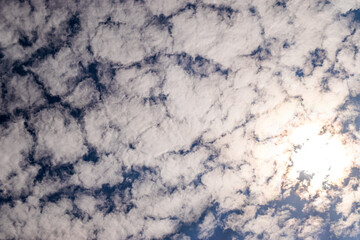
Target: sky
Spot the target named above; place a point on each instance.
(180, 119)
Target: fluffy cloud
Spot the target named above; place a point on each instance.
(178, 120)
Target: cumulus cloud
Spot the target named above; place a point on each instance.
(179, 120)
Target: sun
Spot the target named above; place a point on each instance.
(319, 152)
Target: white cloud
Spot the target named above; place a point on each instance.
(59, 137)
(23, 94)
(59, 72)
(186, 111)
(312, 227)
(15, 174)
(207, 226)
(204, 34)
(158, 7)
(85, 93)
(107, 171)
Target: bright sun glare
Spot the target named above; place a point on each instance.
(320, 152)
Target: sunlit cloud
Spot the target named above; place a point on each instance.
(179, 119)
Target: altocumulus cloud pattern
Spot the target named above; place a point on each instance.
(182, 119)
